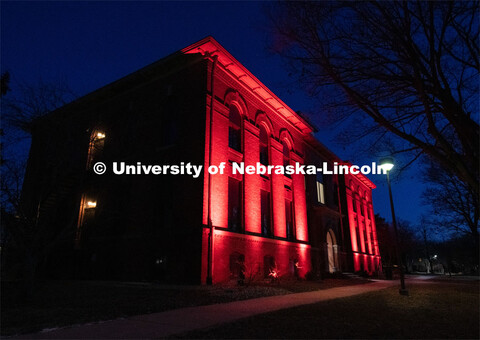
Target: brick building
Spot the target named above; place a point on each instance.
(198, 106)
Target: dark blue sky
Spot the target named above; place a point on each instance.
(90, 44)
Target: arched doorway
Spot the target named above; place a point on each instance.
(332, 252)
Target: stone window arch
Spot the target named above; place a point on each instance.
(237, 111)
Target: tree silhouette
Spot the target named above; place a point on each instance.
(411, 67)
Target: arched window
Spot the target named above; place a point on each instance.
(234, 129)
(263, 145)
(286, 154)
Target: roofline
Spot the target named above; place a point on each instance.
(316, 144)
(210, 47)
(361, 177)
(117, 83)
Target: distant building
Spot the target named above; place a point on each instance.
(198, 106)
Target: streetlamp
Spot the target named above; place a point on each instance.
(387, 164)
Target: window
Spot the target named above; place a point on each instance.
(354, 204)
(286, 154)
(263, 145)
(365, 240)
(357, 235)
(320, 189)
(234, 204)
(234, 130)
(289, 220)
(91, 204)
(95, 149)
(89, 212)
(85, 219)
(265, 213)
(362, 210)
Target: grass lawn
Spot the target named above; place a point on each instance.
(62, 303)
(433, 310)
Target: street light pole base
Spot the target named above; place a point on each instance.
(403, 291)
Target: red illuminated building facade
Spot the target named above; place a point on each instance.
(199, 105)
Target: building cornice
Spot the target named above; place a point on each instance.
(209, 48)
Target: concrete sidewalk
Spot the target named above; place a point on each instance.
(160, 325)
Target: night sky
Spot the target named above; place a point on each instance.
(90, 44)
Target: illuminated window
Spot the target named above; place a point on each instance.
(263, 145)
(85, 218)
(95, 149)
(320, 189)
(289, 220)
(265, 214)
(234, 204)
(91, 204)
(234, 129)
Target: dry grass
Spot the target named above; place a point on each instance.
(62, 303)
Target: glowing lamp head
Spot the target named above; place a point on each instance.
(387, 163)
(91, 204)
(100, 135)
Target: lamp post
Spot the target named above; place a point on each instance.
(387, 164)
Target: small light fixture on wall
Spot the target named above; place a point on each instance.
(91, 204)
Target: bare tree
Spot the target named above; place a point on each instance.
(22, 232)
(29, 102)
(454, 205)
(412, 67)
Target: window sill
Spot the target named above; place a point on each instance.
(234, 155)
